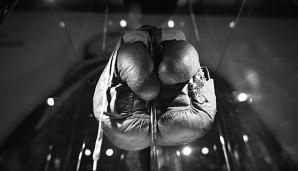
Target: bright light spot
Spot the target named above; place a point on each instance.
(186, 151)
(57, 163)
(214, 147)
(252, 78)
(51, 101)
(123, 23)
(49, 157)
(232, 24)
(250, 100)
(171, 23)
(205, 150)
(122, 156)
(110, 23)
(245, 138)
(109, 152)
(222, 140)
(236, 154)
(182, 23)
(178, 153)
(62, 24)
(242, 97)
(87, 152)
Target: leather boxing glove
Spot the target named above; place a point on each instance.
(187, 99)
(126, 117)
(177, 56)
(187, 111)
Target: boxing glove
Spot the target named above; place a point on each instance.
(187, 99)
(126, 117)
(178, 57)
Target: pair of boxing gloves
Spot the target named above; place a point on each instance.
(155, 64)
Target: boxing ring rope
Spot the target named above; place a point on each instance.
(153, 145)
(231, 32)
(67, 31)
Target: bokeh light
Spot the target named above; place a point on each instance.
(109, 152)
(171, 23)
(205, 150)
(87, 152)
(186, 151)
(123, 23)
(51, 101)
(245, 138)
(242, 97)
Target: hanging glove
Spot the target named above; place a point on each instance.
(179, 59)
(187, 99)
(171, 74)
(126, 116)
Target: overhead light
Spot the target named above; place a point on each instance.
(245, 138)
(61, 24)
(123, 23)
(122, 156)
(205, 150)
(186, 151)
(232, 24)
(51, 101)
(242, 97)
(214, 147)
(171, 23)
(178, 153)
(182, 23)
(110, 23)
(109, 152)
(87, 152)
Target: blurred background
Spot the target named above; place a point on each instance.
(52, 53)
